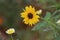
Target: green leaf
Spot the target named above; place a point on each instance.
(48, 16)
(39, 25)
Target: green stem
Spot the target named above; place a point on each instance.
(55, 12)
(11, 37)
(54, 25)
(51, 23)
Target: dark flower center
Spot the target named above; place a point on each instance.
(30, 15)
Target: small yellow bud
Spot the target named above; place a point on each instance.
(10, 31)
(39, 11)
(58, 22)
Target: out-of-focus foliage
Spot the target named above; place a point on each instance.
(46, 29)
(49, 23)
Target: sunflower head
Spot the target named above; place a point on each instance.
(30, 15)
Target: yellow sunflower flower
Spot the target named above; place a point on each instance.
(30, 15)
(10, 31)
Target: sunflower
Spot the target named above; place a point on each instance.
(30, 16)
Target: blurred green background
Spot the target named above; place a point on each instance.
(10, 12)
